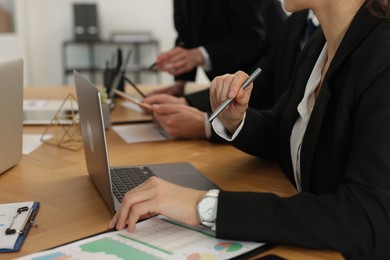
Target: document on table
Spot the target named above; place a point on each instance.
(132, 106)
(42, 111)
(31, 142)
(144, 132)
(155, 238)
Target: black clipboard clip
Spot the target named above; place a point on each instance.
(27, 221)
(29, 215)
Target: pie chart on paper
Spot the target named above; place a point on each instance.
(228, 247)
(201, 256)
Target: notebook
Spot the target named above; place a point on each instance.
(98, 166)
(11, 113)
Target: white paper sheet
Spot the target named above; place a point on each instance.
(132, 106)
(31, 142)
(155, 238)
(144, 132)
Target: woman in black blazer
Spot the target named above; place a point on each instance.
(330, 133)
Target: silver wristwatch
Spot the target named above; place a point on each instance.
(207, 208)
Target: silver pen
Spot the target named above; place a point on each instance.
(225, 103)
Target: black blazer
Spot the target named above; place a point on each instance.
(277, 65)
(234, 33)
(345, 154)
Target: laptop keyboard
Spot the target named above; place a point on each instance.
(124, 179)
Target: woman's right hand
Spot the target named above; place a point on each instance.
(228, 86)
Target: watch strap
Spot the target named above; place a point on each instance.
(210, 194)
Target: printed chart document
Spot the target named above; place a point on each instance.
(155, 238)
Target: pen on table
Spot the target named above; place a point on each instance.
(152, 67)
(221, 107)
(134, 86)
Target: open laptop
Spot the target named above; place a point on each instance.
(11, 113)
(105, 177)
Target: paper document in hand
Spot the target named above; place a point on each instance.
(155, 238)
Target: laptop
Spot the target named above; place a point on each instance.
(113, 182)
(11, 113)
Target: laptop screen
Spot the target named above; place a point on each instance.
(11, 109)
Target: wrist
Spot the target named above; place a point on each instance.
(183, 101)
(207, 126)
(207, 66)
(180, 83)
(199, 198)
(232, 125)
(178, 88)
(197, 56)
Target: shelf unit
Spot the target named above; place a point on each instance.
(94, 68)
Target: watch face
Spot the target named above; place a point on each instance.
(207, 209)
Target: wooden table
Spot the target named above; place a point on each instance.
(71, 207)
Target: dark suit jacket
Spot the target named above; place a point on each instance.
(277, 65)
(345, 154)
(234, 33)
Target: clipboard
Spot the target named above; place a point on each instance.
(28, 222)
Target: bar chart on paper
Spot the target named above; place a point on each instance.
(156, 238)
(103, 248)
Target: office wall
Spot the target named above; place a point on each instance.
(12, 44)
(6, 16)
(48, 23)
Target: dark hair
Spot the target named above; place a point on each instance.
(379, 8)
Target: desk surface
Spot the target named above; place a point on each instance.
(71, 208)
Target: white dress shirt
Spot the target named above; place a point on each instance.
(311, 16)
(207, 66)
(305, 108)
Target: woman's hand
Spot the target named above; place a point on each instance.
(179, 60)
(180, 121)
(154, 197)
(228, 86)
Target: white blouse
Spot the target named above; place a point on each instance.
(305, 108)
